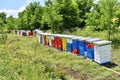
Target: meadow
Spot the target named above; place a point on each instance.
(23, 58)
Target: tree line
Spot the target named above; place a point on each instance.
(61, 16)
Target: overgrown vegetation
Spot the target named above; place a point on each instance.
(62, 16)
(19, 61)
(24, 58)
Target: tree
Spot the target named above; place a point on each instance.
(31, 17)
(2, 21)
(23, 20)
(2, 27)
(93, 19)
(51, 17)
(108, 9)
(10, 23)
(105, 16)
(84, 7)
(70, 14)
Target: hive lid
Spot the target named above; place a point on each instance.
(103, 42)
(42, 33)
(77, 37)
(85, 38)
(66, 36)
(45, 33)
(93, 40)
(63, 35)
(81, 37)
(38, 32)
(58, 35)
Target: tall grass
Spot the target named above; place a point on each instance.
(19, 62)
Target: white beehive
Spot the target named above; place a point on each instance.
(17, 32)
(50, 40)
(102, 52)
(22, 32)
(27, 32)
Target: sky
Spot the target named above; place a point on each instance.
(12, 7)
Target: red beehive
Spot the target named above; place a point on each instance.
(31, 33)
(45, 42)
(53, 43)
(59, 43)
(23, 34)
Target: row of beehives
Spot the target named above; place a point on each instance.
(24, 32)
(92, 48)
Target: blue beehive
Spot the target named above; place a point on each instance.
(15, 31)
(82, 46)
(41, 39)
(75, 43)
(70, 47)
(69, 43)
(19, 32)
(90, 47)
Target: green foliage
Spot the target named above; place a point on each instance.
(10, 23)
(104, 16)
(61, 15)
(52, 18)
(93, 20)
(70, 14)
(84, 7)
(2, 22)
(31, 17)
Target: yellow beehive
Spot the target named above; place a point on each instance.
(38, 37)
(47, 38)
(64, 44)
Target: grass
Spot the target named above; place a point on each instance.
(115, 38)
(23, 58)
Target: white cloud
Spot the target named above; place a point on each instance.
(28, 1)
(10, 12)
(22, 9)
(14, 13)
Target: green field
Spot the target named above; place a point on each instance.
(23, 58)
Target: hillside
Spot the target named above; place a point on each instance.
(23, 58)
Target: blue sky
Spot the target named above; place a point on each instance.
(12, 7)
